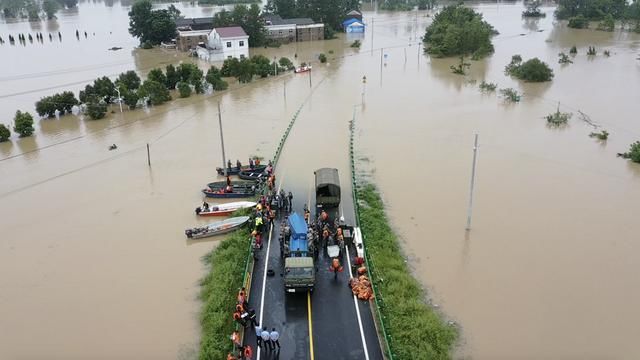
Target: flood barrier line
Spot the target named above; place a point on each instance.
(380, 324)
(264, 285)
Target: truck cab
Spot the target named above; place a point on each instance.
(299, 267)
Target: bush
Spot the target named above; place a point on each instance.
(322, 58)
(214, 77)
(96, 109)
(533, 10)
(155, 93)
(356, 44)
(461, 68)
(532, 70)
(185, 89)
(573, 50)
(591, 51)
(578, 22)
(457, 30)
(5, 133)
(510, 95)
(63, 103)
(606, 53)
(487, 87)
(23, 124)
(147, 45)
(130, 98)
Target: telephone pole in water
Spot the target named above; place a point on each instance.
(473, 180)
(224, 160)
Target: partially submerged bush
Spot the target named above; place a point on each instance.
(607, 24)
(602, 135)
(578, 22)
(533, 10)
(574, 50)
(461, 68)
(558, 118)
(591, 51)
(510, 95)
(533, 70)
(356, 44)
(487, 87)
(634, 152)
(5, 133)
(323, 58)
(564, 59)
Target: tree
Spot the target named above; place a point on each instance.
(578, 22)
(130, 97)
(184, 88)
(103, 88)
(230, 67)
(245, 71)
(533, 70)
(96, 108)
(155, 92)
(157, 75)
(249, 18)
(172, 77)
(129, 80)
(46, 107)
(214, 77)
(533, 10)
(634, 152)
(457, 30)
(151, 26)
(564, 59)
(607, 24)
(591, 9)
(5, 133)
(323, 58)
(286, 63)
(50, 8)
(174, 12)
(23, 123)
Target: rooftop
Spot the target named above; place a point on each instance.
(231, 31)
(194, 21)
(193, 32)
(277, 20)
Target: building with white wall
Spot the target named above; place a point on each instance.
(228, 42)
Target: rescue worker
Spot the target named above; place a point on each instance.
(324, 216)
(290, 197)
(251, 166)
(259, 224)
(235, 338)
(238, 165)
(230, 356)
(242, 297)
(228, 189)
(335, 267)
(228, 181)
(229, 164)
(247, 352)
(237, 316)
(257, 161)
(252, 316)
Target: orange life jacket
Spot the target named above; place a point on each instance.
(231, 357)
(248, 352)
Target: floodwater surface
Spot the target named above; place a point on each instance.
(93, 258)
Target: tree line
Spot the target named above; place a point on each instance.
(32, 9)
(581, 12)
(94, 99)
(329, 12)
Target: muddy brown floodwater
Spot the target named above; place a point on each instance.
(93, 258)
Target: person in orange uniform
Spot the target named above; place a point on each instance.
(247, 352)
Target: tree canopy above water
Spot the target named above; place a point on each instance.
(152, 26)
(458, 30)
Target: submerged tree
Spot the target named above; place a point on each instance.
(458, 30)
(533, 70)
(533, 10)
(487, 87)
(154, 92)
(510, 95)
(96, 108)
(602, 135)
(5, 133)
(23, 124)
(634, 152)
(558, 118)
(461, 68)
(564, 59)
(607, 24)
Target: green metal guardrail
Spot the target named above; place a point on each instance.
(378, 300)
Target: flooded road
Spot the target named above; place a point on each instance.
(93, 257)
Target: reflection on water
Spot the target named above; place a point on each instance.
(103, 259)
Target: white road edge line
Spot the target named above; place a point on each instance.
(355, 302)
(264, 278)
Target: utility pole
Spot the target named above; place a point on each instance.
(224, 160)
(310, 78)
(148, 155)
(381, 51)
(473, 180)
(284, 88)
(275, 66)
(372, 32)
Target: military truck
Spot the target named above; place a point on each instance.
(299, 267)
(327, 188)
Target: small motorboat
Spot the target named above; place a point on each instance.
(252, 175)
(223, 194)
(113, 147)
(216, 228)
(236, 185)
(235, 170)
(224, 209)
(302, 69)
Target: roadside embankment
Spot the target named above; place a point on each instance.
(414, 330)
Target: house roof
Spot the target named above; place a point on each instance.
(352, 22)
(230, 32)
(277, 20)
(354, 12)
(194, 21)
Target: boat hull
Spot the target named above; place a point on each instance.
(217, 228)
(235, 170)
(234, 195)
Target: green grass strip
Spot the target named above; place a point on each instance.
(218, 292)
(415, 330)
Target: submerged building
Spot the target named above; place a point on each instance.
(290, 30)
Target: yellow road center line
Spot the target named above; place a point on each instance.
(310, 325)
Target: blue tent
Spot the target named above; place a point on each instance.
(353, 26)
